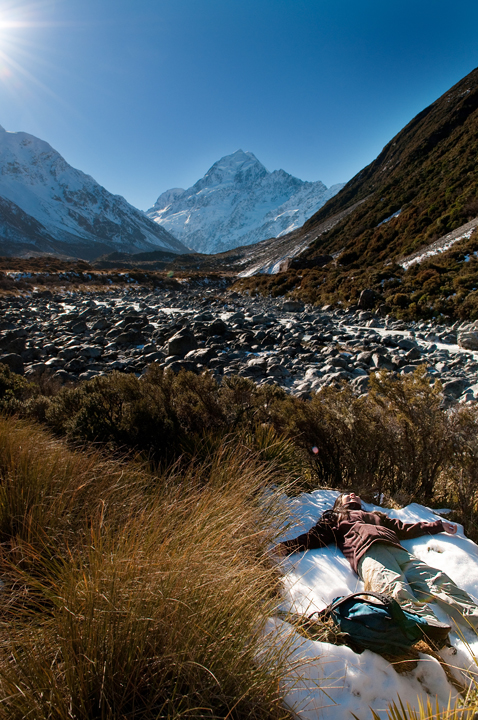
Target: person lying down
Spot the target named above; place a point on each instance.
(371, 543)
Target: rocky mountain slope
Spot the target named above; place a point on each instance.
(420, 190)
(238, 202)
(48, 206)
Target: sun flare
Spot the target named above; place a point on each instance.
(21, 52)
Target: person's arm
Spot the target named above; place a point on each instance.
(405, 531)
(320, 535)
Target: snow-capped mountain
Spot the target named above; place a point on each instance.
(48, 206)
(238, 202)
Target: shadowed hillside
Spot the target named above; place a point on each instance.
(422, 186)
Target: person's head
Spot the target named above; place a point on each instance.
(347, 501)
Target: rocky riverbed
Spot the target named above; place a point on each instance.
(77, 336)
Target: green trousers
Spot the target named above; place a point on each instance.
(395, 572)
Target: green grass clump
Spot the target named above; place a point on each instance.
(135, 595)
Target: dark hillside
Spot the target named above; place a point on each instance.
(428, 171)
(427, 175)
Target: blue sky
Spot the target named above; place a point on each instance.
(145, 95)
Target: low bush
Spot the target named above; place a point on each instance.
(399, 439)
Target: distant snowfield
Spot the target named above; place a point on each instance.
(331, 682)
(238, 202)
(68, 205)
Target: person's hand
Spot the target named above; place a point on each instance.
(449, 528)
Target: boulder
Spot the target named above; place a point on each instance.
(293, 306)
(130, 337)
(203, 355)
(92, 351)
(367, 299)
(218, 327)
(182, 342)
(468, 340)
(406, 344)
(454, 388)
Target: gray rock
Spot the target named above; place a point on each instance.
(360, 384)
(359, 372)
(367, 299)
(78, 327)
(63, 376)
(278, 371)
(413, 354)
(407, 343)
(70, 352)
(365, 357)
(101, 324)
(407, 369)
(35, 370)
(455, 388)
(89, 374)
(468, 340)
(130, 337)
(293, 306)
(182, 342)
(257, 364)
(339, 362)
(92, 351)
(76, 365)
(157, 356)
(202, 355)
(218, 327)
(55, 362)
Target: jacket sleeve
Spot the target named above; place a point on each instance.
(405, 531)
(320, 535)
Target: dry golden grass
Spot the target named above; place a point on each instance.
(128, 595)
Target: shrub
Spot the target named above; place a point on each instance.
(14, 389)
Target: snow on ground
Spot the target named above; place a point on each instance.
(331, 682)
(441, 245)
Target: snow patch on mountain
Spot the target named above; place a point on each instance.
(238, 202)
(50, 205)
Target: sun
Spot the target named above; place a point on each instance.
(20, 54)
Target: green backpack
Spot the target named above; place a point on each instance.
(362, 624)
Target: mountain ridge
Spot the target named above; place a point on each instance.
(238, 202)
(48, 206)
(421, 187)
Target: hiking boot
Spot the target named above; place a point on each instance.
(436, 631)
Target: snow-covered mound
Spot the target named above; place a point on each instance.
(48, 206)
(332, 681)
(238, 202)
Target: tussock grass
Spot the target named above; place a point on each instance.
(133, 595)
(400, 711)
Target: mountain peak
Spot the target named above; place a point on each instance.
(238, 202)
(47, 205)
(239, 168)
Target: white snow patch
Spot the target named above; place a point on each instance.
(442, 244)
(395, 214)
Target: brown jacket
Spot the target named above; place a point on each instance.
(356, 531)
